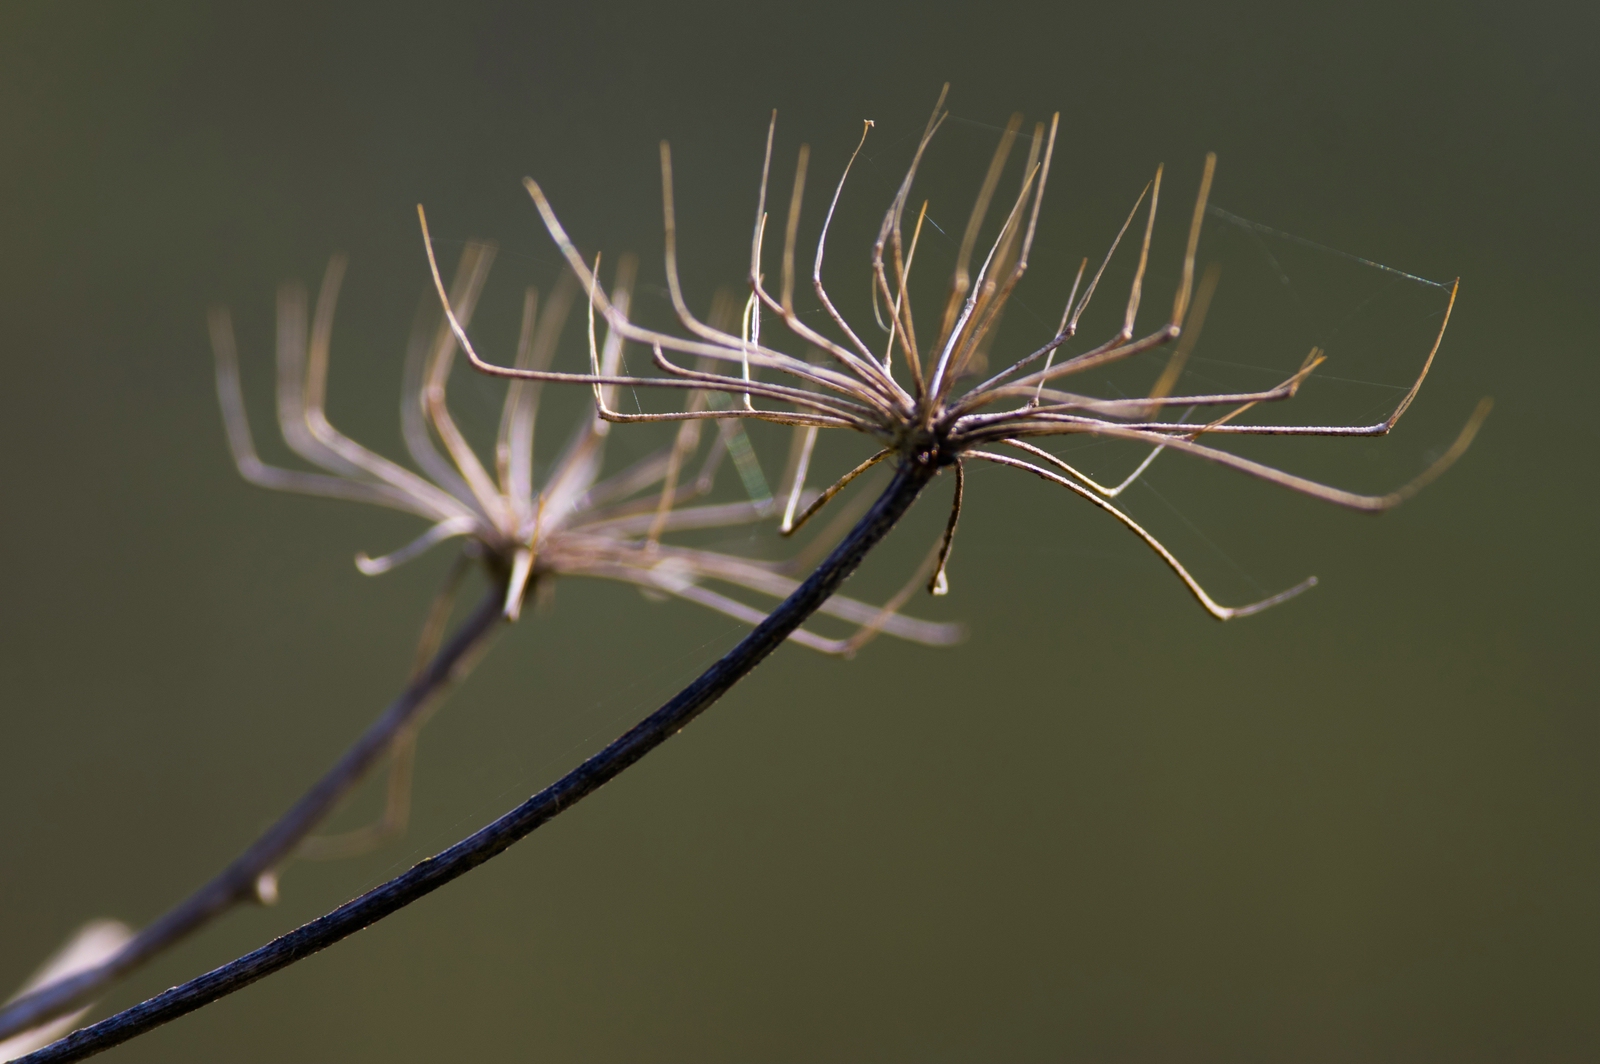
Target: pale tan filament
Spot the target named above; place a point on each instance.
(1220, 612)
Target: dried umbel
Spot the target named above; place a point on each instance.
(575, 524)
(920, 405)
(918, 399)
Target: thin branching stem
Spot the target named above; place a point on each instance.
(251, 876)
(469, 853)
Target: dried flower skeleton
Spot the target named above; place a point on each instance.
(920, 405)
(576, 524)
(935, 416)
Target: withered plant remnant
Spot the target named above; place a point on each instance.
(576, 524)
(932, 420)
(936, 419)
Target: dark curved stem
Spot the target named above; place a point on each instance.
(474, 850)
(239, 881)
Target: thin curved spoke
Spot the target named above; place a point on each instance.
(1138, 409)
(431, 337)
(889, 233)
(746, 387)
(518, 408)
(838, 486)
(245, 458)
(726, 349)
(680, 570)
(900, 296)
(1069, 325)
(1109, 493)
(350, 454)
(604, 380)
(426, 331)
(807, 441)
(536, 346)
(878, 382)
(1337, 496)
(1220, 612)
(963, 338)
(961, 279)
(447, 529)
(822, 240)
(939, 584)
(862, 369)
(1121, 346)
(985, 329)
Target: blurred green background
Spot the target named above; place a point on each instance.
(1103, 828)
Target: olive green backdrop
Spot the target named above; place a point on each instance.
(1362, 826)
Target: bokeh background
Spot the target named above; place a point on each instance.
(1103, 828)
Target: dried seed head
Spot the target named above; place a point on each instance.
(935, 415)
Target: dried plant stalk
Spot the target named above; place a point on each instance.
(933, 421)
(577, 524)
